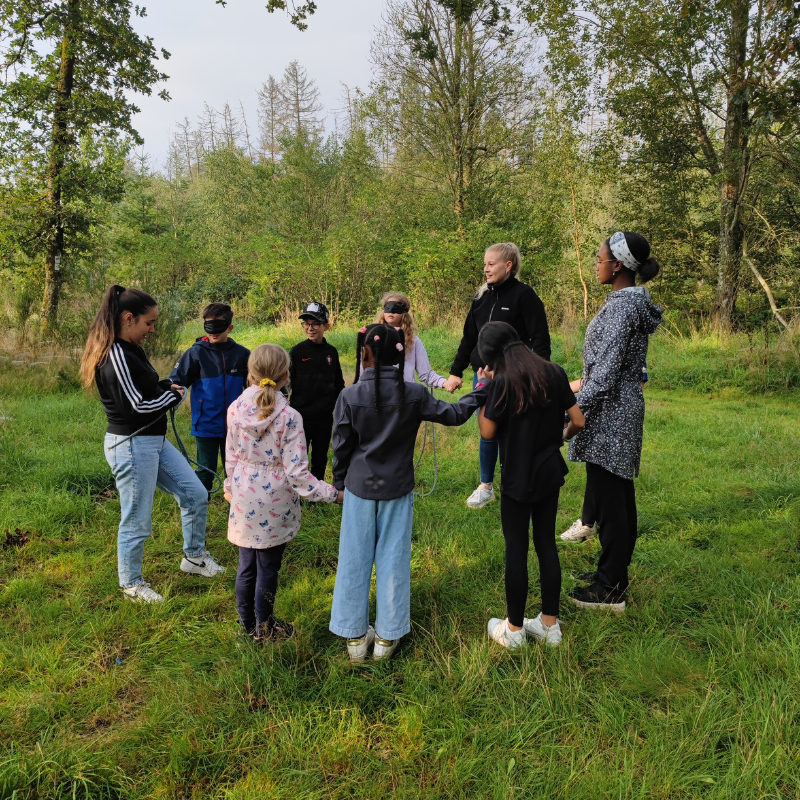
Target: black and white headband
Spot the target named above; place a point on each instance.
(620, 250)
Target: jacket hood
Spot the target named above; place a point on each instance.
(203, 342)
(249, 419)
(650, 314)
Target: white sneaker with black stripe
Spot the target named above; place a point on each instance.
(203, 565)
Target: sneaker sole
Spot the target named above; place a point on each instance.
(577, 539)
(481, 505)
(201, 572)
(614, 608)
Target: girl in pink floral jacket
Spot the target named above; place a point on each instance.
(267, 472)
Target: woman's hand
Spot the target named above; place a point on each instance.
(485, 373)
(453, 383)
(576, 385)
(339, 497)
(227, 496)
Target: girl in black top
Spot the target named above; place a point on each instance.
(136, 448)
(525, 411)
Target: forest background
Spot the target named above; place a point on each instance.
(550, 125)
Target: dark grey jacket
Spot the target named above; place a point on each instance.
(373, 454)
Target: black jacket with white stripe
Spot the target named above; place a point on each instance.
(131, 392)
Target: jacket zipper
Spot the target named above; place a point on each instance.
(224, 394)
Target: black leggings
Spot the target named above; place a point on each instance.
(517, 518)
(588, 513)
(257, 583)
(614, 500)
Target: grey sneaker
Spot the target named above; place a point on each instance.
(384, 648)
(578, 532)
(203, 565)
(549, 634)
(357, 648)
(502, 634)
(142, 593)
(480, 497)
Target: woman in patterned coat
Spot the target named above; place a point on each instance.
(610, 396)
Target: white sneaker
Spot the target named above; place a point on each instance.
(357, 648)
(480, 497)
(384, 648)
(549, 634)
(502, 634)
(578, 532)
(142, 593)
(203, 565)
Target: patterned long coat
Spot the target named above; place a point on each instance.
(267, 472)
(611, 395)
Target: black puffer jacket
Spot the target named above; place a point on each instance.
(512, 302)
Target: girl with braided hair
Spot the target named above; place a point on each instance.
(525, 412)
(376, 422)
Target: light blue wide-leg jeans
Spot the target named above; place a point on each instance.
(139, 466)
(374, 532)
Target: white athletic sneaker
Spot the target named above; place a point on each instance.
(502, 634)
(549, 634)
(384, 648)
(480, 497)
(203, 565)
(578, 532)
(142, 593)
(357, 648)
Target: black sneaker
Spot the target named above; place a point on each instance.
(598, 596)
(586, 577)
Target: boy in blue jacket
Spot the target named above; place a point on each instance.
(215, 368)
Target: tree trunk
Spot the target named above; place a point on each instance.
(59, 143)
(734, 167)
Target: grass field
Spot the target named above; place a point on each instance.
(692, 693)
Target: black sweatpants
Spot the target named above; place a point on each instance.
(209, 449)
(588, 513)
(257, 583)
(517, 519)
(615, 508)
(318, 440)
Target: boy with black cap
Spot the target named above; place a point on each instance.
(215, 366)
(316, 381)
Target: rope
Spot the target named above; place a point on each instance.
(217, 482)
(435, 460)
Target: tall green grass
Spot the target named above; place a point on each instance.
(690, 694)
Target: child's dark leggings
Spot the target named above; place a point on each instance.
(257, 583)
(516, 519)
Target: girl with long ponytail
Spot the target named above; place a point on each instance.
(266, 462)
(140, 456)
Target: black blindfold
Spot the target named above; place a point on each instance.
(395, 307)
(215, 326)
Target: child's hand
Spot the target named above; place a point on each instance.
(452, 383)
(227, 496)
(179, 389)
(339, 497)
(485, 373)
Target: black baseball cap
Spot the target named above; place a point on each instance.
(316, 311)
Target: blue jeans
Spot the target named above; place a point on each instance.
(139, 466)
(488, 452)
(379, 532)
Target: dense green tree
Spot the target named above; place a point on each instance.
(69, 66)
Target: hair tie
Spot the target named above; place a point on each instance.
(399, 347)
(267, 382)
(376, 337)
(362, 330)
(511, 344)
(120, 290)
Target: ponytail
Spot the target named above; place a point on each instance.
(388, 348)
(267, 365)
(105, 327)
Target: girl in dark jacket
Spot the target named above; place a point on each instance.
(610, 396)
(501, 299)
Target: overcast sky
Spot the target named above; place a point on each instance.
(225, 54)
